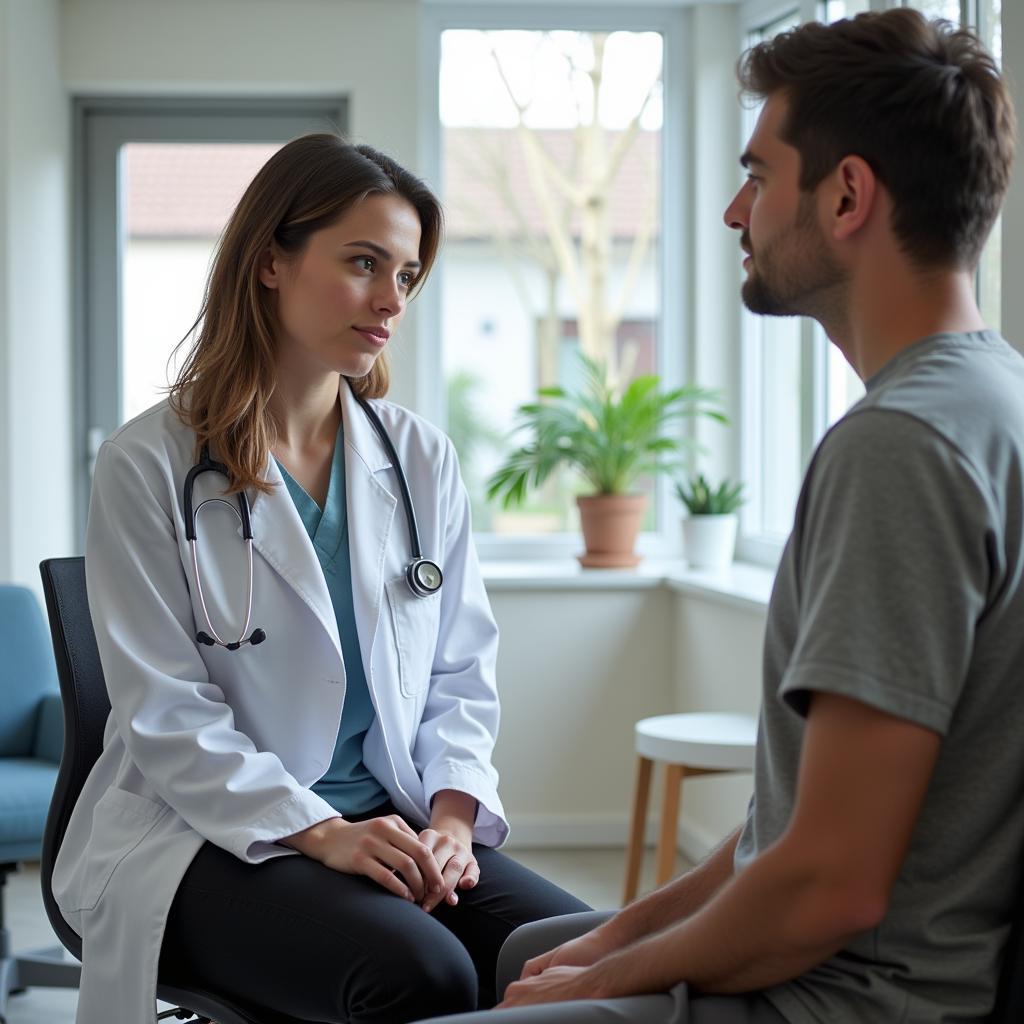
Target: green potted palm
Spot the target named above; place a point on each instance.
(709, 531)
(612, 436)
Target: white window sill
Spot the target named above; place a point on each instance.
(741, 585)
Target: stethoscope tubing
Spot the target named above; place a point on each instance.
(199, 585)
(403, 486)
(423, 575)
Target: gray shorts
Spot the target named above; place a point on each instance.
(677, 1006)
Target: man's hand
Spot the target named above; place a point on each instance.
(581, 952)
(555, 985)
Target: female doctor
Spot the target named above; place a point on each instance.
(295, 805)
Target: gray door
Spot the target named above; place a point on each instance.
(155, 183)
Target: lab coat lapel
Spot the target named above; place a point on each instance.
(279, 536)
(371, 513)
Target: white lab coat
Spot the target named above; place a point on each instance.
(207, 744)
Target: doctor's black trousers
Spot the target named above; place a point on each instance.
(295, 941)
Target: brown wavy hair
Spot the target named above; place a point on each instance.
(224, 386)
(922, 102)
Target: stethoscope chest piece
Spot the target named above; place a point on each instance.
(424, 577)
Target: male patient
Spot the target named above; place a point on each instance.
(875, 876)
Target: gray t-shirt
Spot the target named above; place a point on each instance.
(902, 586)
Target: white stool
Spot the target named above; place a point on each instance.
(693, 744)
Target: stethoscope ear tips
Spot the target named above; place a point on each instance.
(205, 638)
(257, 637)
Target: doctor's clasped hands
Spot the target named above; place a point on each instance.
(424, 868)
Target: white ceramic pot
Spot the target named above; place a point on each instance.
(709, 541)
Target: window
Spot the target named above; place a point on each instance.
(551, 158)
(836, 9)
(176, 199)
(949, 9)
(773, 382)
(987, 17)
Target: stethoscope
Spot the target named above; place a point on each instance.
(423, 576)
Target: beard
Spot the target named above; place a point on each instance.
(794, 274)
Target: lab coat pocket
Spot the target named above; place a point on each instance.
(120, 821)
(415, 622)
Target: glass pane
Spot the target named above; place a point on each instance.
(777, 463)
(990, 277)
(844, 386)
(176, 199)
(552, 168)
(948, 9)
(781, 463)
(781, 24)
(990, 19)
(836, 9)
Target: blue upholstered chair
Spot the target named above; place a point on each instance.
(31, 738)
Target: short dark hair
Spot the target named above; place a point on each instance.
(921, 101)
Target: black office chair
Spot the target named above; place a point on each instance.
(86, 708)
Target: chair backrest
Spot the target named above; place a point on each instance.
(26, 669)
(86, 709)
(83, 693)
(1009, 1007)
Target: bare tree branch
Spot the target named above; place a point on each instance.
(622, 144)
(637, 254)
(550, 167)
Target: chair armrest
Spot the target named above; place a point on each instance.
(50, 729)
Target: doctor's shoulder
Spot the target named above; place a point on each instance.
(156, 445)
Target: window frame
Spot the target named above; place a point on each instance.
(753, 544)
(672, 360)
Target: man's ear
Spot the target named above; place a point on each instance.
(270, 267)
(852, 196)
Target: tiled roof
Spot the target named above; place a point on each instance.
(177, 190)
(471, 199)
(186, 190)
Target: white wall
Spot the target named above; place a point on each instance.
(576, 669)
(35, 239)
(717, 660)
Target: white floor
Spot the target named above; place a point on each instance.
(595, 876)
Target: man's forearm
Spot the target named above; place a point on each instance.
(677, 900)
(767, 925)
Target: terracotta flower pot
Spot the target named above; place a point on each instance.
(610, 525)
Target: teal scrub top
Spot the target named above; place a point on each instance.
(348, 785)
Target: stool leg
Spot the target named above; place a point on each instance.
(666, 860)
(635, 850)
